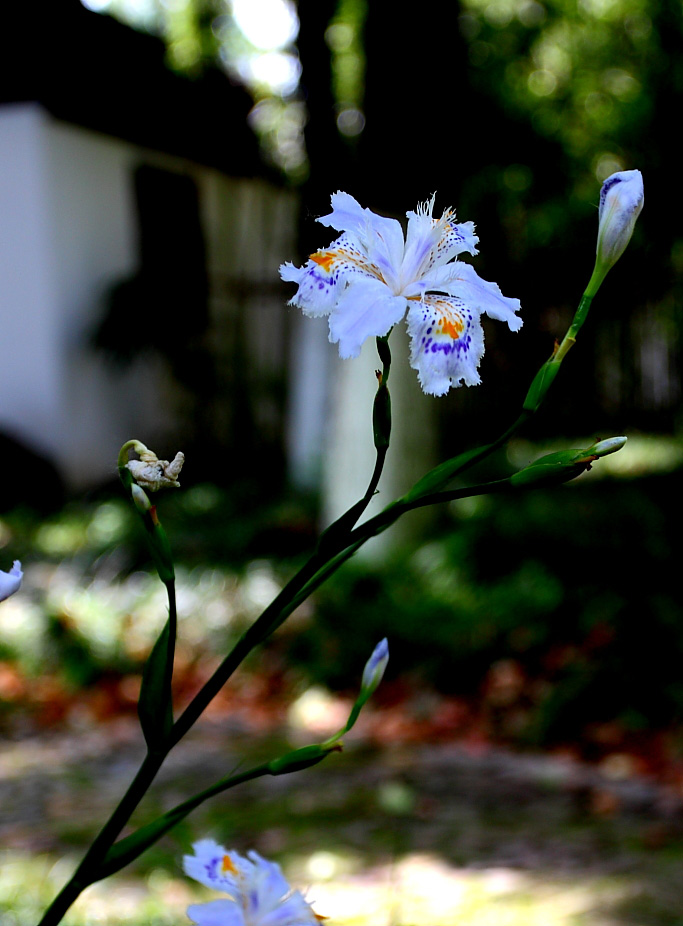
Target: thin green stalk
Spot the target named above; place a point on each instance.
(338, 543)
(253, 635)
(130, 848)
(172, 636)
(85, 873)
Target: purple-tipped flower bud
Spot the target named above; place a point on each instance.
(10, 582)
(375, 667)
(621, 199)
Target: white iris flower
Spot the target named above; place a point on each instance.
(10, 582)
(259, 892)
(369, 276)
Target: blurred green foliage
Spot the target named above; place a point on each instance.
(575, 588)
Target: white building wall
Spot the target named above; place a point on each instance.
(68, 231)
(93, 244)
(30, 387)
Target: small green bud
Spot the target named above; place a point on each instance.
(605, 447)
(381, 416)
(555, 468)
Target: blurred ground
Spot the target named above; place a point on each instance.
(399, 833)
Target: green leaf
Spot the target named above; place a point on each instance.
(154, 705)
(128, 849)
(438, 477)
(298, 759)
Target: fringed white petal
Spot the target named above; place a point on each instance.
(366, 309)
(456, 238)
(324, 276)
(347, 214)
(466, 284)
(447, 343)
(380, 237)
(267, 886)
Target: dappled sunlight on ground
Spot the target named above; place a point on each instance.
(415, 888)
(401, 834)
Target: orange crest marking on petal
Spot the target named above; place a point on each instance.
(228, 865)
(451, 328)
(324, 259)
(320, 917)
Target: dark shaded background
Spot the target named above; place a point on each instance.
(445, 91)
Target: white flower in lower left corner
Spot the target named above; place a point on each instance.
(259, 892)
(10, 582)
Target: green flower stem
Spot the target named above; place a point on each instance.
(577, 322)
(130, 848)
(263, 626)
(381, 428)
(86, 873)
(338, 543)
(88, 870)
(381, 420)
(173, 634)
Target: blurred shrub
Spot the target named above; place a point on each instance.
(577, 588)
(561, 607)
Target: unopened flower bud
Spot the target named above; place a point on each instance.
(10, 582)
(621, 199)
(375, 667)
(563, 465)
(142, 503)
(604, 447)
